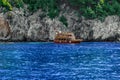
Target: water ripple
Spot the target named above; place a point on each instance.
(49, 61)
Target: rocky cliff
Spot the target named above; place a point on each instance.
(24, 26)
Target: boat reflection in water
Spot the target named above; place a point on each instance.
(66, 37)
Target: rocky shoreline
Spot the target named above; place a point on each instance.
(35, 27)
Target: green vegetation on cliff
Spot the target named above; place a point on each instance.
(88, 8)
(96, 8)
(63, 20)
(49, 6)
(6, 4)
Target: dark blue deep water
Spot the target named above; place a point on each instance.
(49, 61)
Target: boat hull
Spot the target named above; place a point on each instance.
(71, 41)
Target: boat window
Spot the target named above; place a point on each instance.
(69, 35)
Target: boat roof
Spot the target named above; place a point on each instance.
(64, 35)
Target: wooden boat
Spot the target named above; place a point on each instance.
(66, 37)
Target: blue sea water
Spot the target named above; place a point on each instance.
(50, 61)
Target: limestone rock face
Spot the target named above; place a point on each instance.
(107, 30)
(24, 26)
(84, 30)
(95, 30)
(18, 23)
(38, 29)
(4, 29)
